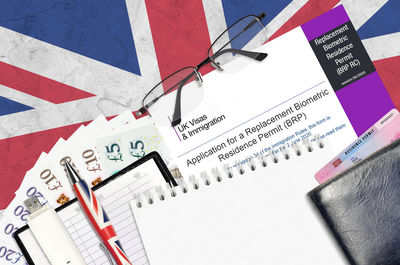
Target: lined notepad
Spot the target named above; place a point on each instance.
(115, 197)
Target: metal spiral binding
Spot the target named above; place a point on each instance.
(205, 178)
(194, 181)
(262, 160)
(250, 163)
(160, 192)
(273, 156)
(229, 172)
(216, 174)
(239, 167)
(284, 152)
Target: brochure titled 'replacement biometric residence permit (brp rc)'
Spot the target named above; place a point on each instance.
(317, 80)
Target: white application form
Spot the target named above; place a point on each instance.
(252, 108)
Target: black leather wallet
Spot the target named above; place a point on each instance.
(361, 207)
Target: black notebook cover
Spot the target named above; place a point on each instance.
(361, 207)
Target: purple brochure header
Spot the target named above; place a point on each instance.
(324, 23)
(348, 68)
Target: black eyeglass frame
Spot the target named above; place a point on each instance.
(210, 59)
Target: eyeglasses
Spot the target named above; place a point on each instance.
(245, 34)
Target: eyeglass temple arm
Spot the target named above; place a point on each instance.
(243, 52)
(176, 117)
(259, 18)
(143, 109)
(259, 56)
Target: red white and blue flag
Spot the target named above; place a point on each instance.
(58, 58)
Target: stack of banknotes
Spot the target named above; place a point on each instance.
(97, 150)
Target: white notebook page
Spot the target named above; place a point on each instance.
(261, 217)
(115, 197)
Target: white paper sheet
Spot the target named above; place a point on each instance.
(287, 93)
(261, 217)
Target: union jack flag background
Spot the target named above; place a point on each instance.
(59, 57)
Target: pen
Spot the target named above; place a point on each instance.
(97, 216)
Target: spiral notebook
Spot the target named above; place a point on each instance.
(261, 216)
